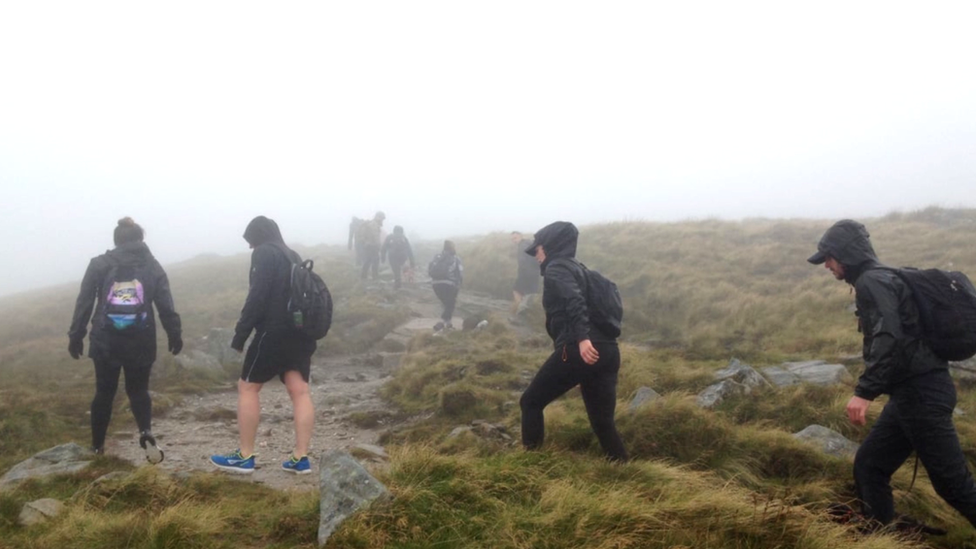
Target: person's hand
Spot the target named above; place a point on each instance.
(588, 352)
(238, 343)
(175, 345)
(857, 410)
(76, 348)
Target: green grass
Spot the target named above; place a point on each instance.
(696, 295)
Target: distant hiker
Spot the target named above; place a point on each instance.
(397, 248)
(277, 349)
(445, 272)
(527, 279)
(354, 240)
(897, 362)
(585, 354)
(121, 286)
(370, 234)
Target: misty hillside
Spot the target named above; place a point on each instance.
(696, 294)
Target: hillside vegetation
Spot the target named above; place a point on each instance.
(696, 294)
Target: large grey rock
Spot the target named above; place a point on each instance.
(742, 373)
(819, 373)
(60, 460)
(713, 395)
(217, 345)
(780, 377)
(38, 511)
(345, 487)
(199, 361)
(643, 396)
(828, 440)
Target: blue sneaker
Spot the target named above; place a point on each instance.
(297, 466)
(234, 462)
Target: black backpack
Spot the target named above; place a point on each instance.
(946, 302)
(440, 267)
(603, 302)
(127, 298)
(309, 301)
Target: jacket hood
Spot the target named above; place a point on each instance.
(398, 230)
(848, 242)
(131, 253)
(262, 230)
(557, 239)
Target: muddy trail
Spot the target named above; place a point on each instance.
(341, 387)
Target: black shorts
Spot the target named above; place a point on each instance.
(272, 354)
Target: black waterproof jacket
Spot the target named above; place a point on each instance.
(94, 291)
(887, 315)
(266, 306)
(563, 286)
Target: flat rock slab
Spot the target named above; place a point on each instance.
(345, 487)
(644, 395)
(59, 460)
(819, 373)
(38, 511)
(742, 373)
(827, 440)
(780, 377)
(713, 395)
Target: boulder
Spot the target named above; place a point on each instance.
(38, 511)
(345, 487)
(819, 373)
(199, 361)
(643, 396)
(780, 377)
(715, 394)
(59, 460)
(742, 373)
(217, 345)
(829, 441)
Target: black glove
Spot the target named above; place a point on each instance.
(238, 343)
(76, 348)
(175, 345)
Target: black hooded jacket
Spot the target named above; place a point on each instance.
(93, 294)
(887, 314)
(266, 306)
(563, 286)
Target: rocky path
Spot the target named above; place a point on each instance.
(341, 387)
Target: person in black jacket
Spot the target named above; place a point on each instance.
(583, 354)
(397, 248)
(446, 275)
(121, 286)
(897, 362)
(277, 350)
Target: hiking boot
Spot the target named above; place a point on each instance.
(98, 451)
(298, 466)
(153, 454)
(448, 327)
(234, 462)
(439, 326)
(913, 528)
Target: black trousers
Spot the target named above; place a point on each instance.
(397, 268)
(448, 296)
(564, 370)
(918, 417)
(107, 372)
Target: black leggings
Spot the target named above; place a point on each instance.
(562, 371)
(107, 383)
(448, 296)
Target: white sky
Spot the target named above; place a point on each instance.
(466, 117)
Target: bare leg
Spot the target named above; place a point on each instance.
(304, 411)
(248, 414)
(516, 299)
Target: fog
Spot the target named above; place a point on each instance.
(459, 118)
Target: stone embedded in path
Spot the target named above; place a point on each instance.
(345, 487)
(829, 441)
(742, 373)
(819, 373)
(38, 511)
(713, 395)
(643, 396)
(59, 460)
